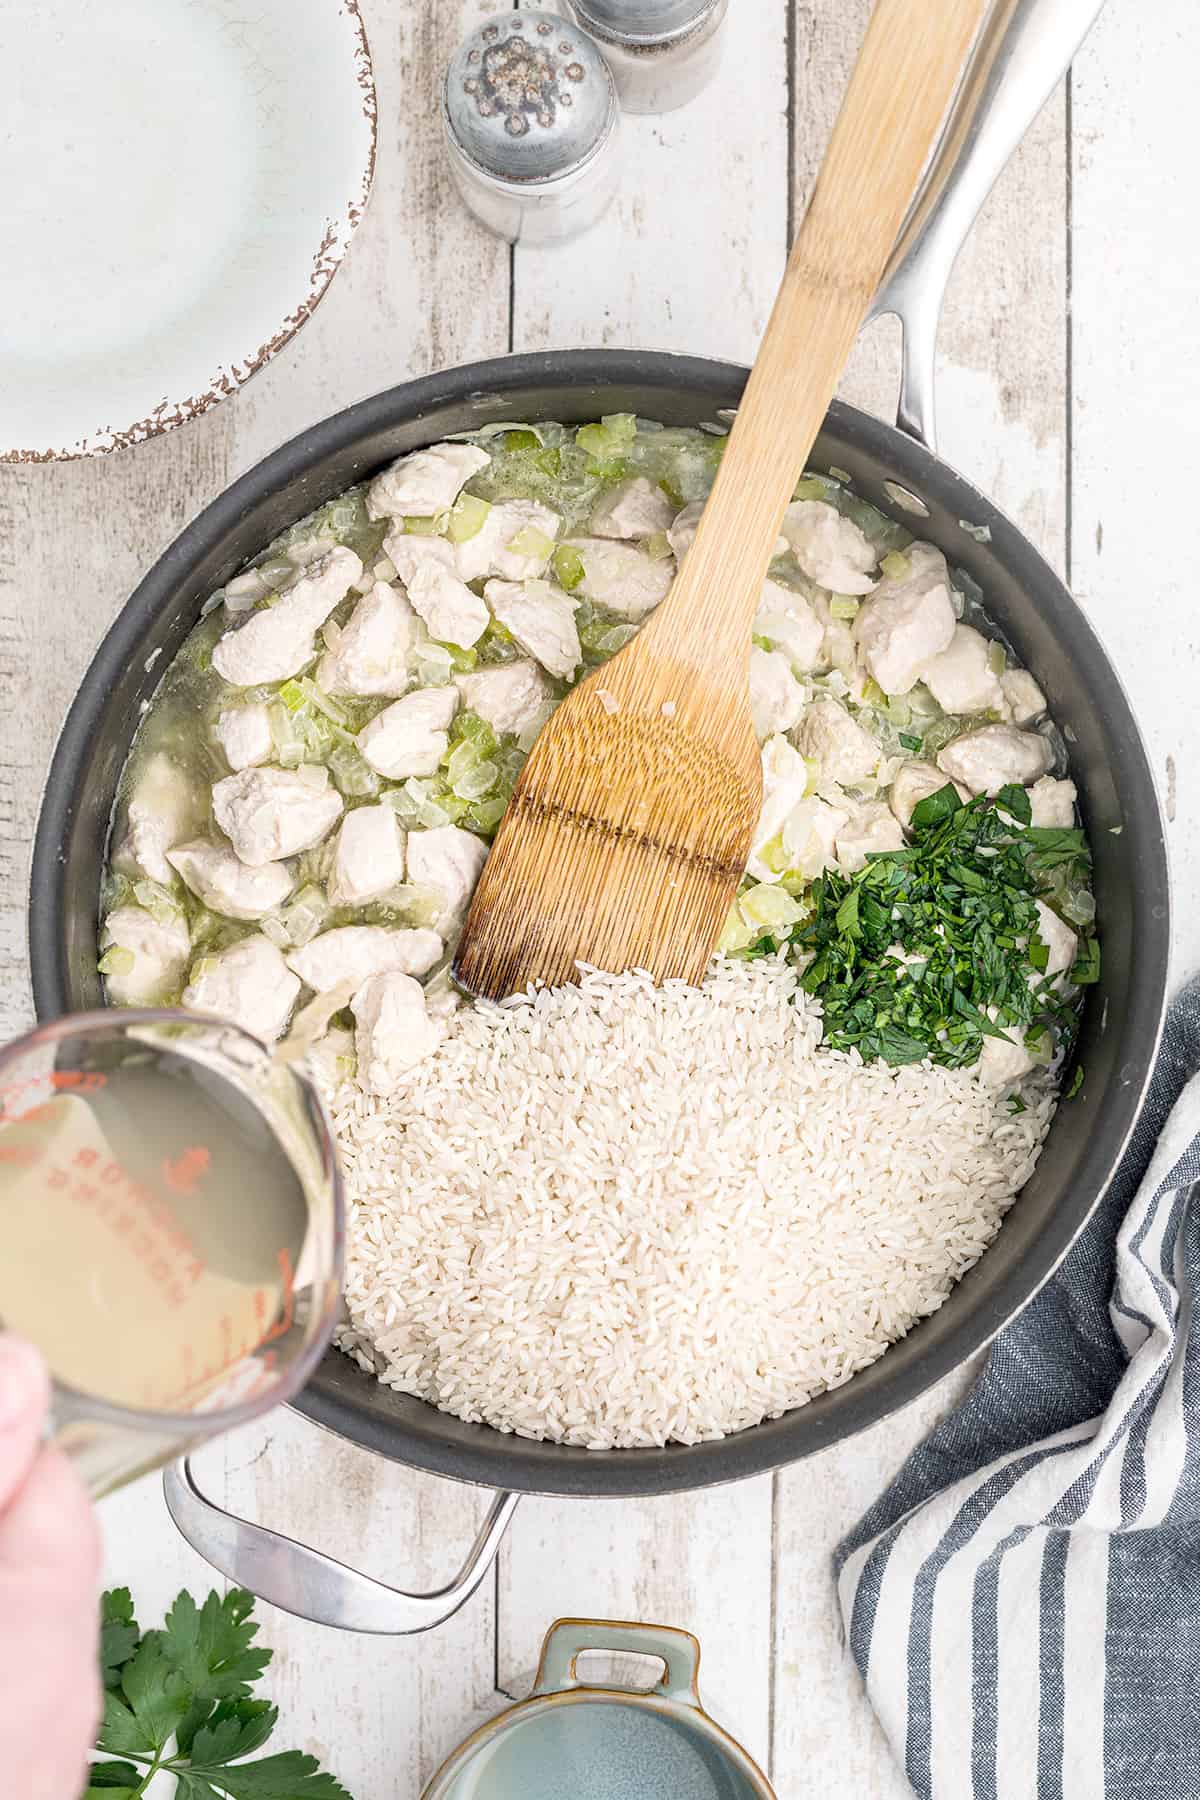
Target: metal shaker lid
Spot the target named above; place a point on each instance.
(643, 21)
(528, 97)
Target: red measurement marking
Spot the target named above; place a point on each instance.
(284, 1324)
(183, 1174)
(23, 1154)
(84, 1159)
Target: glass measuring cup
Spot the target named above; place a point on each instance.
(170, 1230)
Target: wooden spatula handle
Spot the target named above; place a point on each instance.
(909, 65)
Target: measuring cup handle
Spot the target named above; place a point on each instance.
(567, 1639)
(312, 1585)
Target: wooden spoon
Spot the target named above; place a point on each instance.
(628, 831)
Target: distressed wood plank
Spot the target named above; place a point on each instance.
(1002, 364)
(664, 272)
(1003, 420)
(690, 254)
(1136, 414)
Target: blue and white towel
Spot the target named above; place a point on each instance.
(1024, 1600)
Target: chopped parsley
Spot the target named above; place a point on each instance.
(931, 949)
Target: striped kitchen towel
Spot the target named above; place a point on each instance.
(1024, 1600)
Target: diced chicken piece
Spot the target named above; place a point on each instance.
(513, 697)
(1003, 1061)
(1053, 802)
(162, 809)
(355, 952)
(987, 760)
(785, 782)
(331, 1059)
(410, 552)
(453, 614)
(542, 620)
(160, 949)
(1060, 941)
(244, 734)
(908, 620)
(634, 509)
(368, 856)
(622, 577)
(960, 678)
(228, 885)
(249, 983)
(425, 482)
(450, 861)
(682, 529)
(491, 550)
(788, 622)
(828, 735)
(1023, 697)
(278, 641)
(271, 813)
(870, 828)
(410, 737)
(244, 592)
(831, 550)
(914, 782)
(394, 1030)
(810, 835)
(776, 697)
(371, 651)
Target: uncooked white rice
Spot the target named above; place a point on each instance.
(618, 1215)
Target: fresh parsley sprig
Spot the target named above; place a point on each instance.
(929, 950)
(180, 1700)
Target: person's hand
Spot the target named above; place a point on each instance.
(49, 1572)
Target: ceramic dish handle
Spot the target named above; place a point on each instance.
(569, 1638)
(315, 1586)
(1023, 50)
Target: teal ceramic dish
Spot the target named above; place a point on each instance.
(604, 1742)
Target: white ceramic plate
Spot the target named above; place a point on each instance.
(179, 180)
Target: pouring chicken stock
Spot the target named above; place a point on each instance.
(171, 1212)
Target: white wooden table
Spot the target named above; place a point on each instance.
(1069, 389)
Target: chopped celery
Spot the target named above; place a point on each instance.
(293, 696)
(568, 566)
(873, 694)
(774, 855)
(996, 660)
(844, 606)
(352, 773)
(485, 815)
(461, 661)
(658, 547)
(615, 638)
(531, 542)
(466, 517)
(762, 643)
(321, 701)
(469, 728)
(116, 961)
(839, 474)
(767, 904)
(460, 761)
(431, 526)
(476, 782)
(157, 901)
(737, 933)
(522, 439)
(812, 487)
(896, 566)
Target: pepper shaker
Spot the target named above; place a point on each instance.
(661, 52)
(530, 116)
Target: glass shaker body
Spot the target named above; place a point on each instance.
(662, 53)
(530, 119)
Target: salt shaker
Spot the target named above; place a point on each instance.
(661, 52)
(530, 115)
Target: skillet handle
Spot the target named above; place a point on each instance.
(312, 1585)
(1023, 50)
